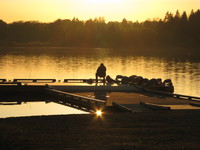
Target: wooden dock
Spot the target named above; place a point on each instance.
(145, 102)
(59, 92)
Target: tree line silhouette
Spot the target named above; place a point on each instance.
(175, 30)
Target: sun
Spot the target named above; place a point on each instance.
(102, 1)
(108, 9)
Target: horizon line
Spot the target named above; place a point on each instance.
(102, 17)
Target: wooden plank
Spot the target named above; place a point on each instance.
(195, 104)
(77, 96)
(154, 106)
(34, 80)
(121, 107)
(158, 92)
(81, 80)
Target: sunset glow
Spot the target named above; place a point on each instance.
(102, 1)
(111, 10)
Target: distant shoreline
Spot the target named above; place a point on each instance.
(155, 51)
(151, 37)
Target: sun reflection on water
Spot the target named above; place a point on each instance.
(77, 64)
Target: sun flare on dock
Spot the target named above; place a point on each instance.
(98, 112)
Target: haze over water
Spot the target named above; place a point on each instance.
(63, 63)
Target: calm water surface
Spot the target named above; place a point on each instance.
(35, 109)
(62, 63)
(82, 63)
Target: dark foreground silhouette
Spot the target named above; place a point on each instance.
(101, 73)
(176, 130)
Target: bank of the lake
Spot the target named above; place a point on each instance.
(164, 130)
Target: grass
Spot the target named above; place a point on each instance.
(165, 130)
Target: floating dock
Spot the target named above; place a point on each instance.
(138, 99)
(67, 85)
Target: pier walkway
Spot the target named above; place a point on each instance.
(146, 101)
(72, 92)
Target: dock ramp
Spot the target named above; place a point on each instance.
(76, 101)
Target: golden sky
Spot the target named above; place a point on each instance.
(111, 10)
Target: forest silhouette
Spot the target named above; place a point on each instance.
(175, 30)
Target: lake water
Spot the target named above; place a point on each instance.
(35, 109)
(63, 63)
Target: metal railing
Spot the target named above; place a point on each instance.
(85, 103)
(34, 80)
(186, 97)
(180, 96)
(81, 80)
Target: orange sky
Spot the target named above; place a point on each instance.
(112, 10)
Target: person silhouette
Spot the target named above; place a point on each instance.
(101, 72)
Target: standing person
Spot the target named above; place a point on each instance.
(101, 72)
